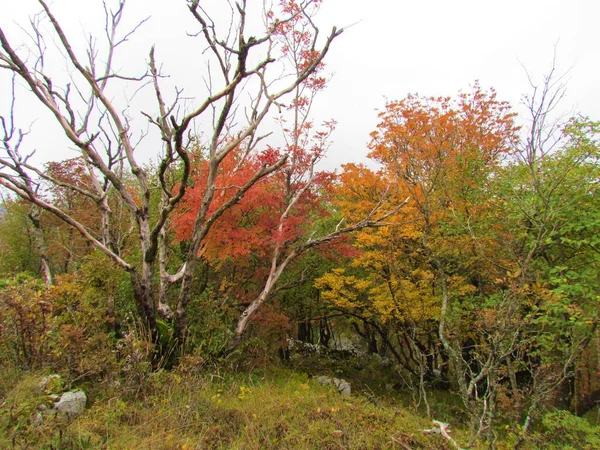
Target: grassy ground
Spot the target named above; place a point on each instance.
(279, 410)
(276, 408)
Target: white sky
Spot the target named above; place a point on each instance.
(393, 48)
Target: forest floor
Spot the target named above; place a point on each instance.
(281, 409)
(254, 408)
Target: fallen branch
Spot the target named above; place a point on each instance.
(443, 429)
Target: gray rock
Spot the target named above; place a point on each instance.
(341, 385)
(38, 418)
(71, 404)
(324, 380)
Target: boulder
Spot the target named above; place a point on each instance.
(341, 385)
(71, 404)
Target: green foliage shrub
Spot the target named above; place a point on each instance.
(17, 254)
(211, 320)
(565, 431)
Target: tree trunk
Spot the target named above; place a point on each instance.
(39, 241)
(324, 332)
(143, 293)
(305, 331)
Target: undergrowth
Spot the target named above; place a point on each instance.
(261, 409)
(275, 410)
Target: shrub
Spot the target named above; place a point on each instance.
(61, 329)
(25, 323)
(565, 431)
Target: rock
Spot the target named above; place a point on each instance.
(341, 385)
(71, 404)
(325, 381)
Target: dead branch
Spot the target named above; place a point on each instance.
(444, 430)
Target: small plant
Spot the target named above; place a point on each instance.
(243, 392)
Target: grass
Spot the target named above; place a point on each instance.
(276, 410)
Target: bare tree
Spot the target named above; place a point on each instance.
(246, 80)
(92, 122)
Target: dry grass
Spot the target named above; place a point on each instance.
(282, 410)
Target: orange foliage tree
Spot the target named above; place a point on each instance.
(442, 154)
(445, 153)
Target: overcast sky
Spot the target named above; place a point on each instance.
(390, 48)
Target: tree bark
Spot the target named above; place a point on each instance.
(39, 241)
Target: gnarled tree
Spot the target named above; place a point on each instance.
(239, 67)
(247, 78)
